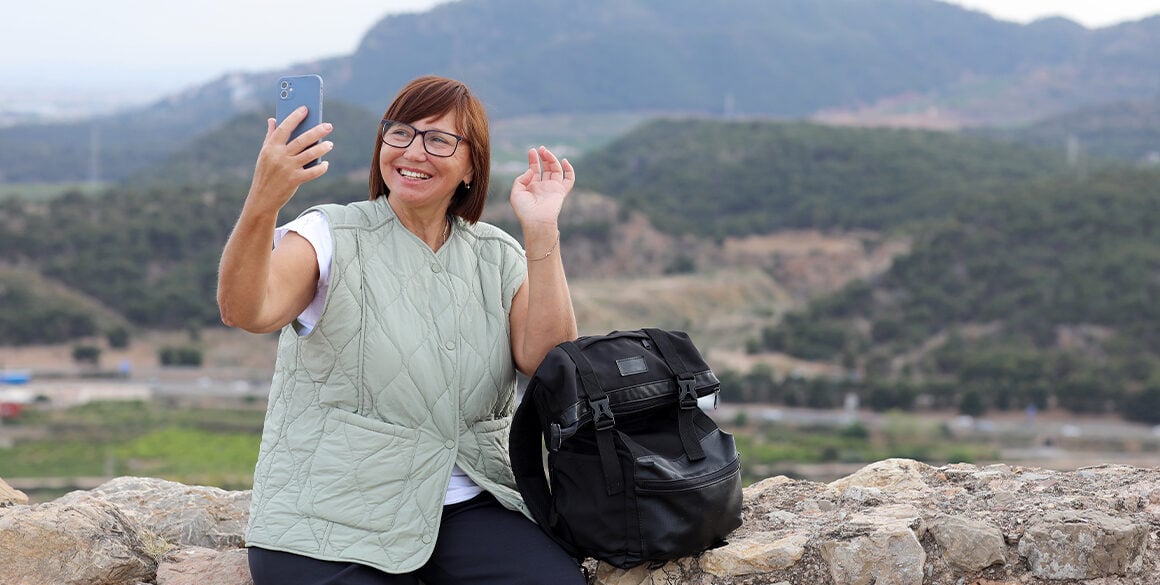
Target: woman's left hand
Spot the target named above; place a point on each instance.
(538, 194)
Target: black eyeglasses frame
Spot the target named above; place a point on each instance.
(388, 123)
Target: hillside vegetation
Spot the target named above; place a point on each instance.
(1022, 280)
(148, 254)
(1037, 294)
(1128, 130)
(150, 251)
(718, 179)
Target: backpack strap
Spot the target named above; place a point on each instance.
(687, 392)
(602, 418)
(525, 448)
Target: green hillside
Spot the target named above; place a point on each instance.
(1029, 282)
(1127, 130)
(719, 179)
(149, 254)
(34, 309)
(1035, 293)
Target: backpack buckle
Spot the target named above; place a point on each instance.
(602, 414)
(688, 392)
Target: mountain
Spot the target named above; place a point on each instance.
(149, 250)
(1020, 279)
(790, 58)
(1089, 68)
(1128, 130)
(717, 179)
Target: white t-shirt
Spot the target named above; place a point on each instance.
(314, 227)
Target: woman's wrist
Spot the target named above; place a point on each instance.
(541, 242)
(537, 258)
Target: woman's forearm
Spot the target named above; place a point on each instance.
(244, 272)
(551, 318)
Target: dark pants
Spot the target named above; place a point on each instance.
(480, 542)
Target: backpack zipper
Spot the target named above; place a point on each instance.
(676, 485)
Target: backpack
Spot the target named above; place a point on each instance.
(636, 471)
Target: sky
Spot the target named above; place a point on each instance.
(147, 48)
(140, 50)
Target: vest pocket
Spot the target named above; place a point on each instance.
(359, 472)
(492, 436)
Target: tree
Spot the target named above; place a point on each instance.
(86, 354)
(972, 403)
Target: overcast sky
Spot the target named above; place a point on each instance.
(147, 48)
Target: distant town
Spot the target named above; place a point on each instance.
(36, 106)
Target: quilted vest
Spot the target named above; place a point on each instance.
(408, 372)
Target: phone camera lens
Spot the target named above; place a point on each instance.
(285, 94)
(285, 84)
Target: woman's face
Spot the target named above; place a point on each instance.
(418, 178)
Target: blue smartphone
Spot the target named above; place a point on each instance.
(300, 90)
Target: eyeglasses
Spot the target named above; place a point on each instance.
(435, 142)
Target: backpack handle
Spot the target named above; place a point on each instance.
(602, 418)
(687, 392)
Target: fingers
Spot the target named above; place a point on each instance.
(546, 166)
(526, 177)
(569, 172)
(283, 131)
(310, 137)
(306, 147)
(282, 162)
(293, 120)
(314, 152)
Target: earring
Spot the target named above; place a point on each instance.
(467, 186)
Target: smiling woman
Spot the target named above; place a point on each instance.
(409, 449)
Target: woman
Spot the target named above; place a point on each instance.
(404, 320)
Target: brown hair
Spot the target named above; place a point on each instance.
(431, 96)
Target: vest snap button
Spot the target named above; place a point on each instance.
(436, 268)
(449, 444)
(426, 539)
(450, 345)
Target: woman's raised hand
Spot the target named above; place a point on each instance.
(279, 170)
(538, 194)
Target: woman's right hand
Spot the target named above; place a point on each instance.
(279, 170)
(260, 290)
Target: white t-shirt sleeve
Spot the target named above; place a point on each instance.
(314, 227)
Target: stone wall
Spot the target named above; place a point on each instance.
(895, 522)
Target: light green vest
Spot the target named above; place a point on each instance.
(408, 372)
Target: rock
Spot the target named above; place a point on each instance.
(10, 496)
(755, 491)
(762, 552)
(204, 566)
(1083, 544)
(898, 475)
(968, 545)
(880, 548)
(895, 522)
(200, 516)
(92, 543)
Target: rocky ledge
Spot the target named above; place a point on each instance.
(895, 522)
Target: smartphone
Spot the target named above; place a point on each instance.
(300, 90)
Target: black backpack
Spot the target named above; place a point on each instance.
(638, 473)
